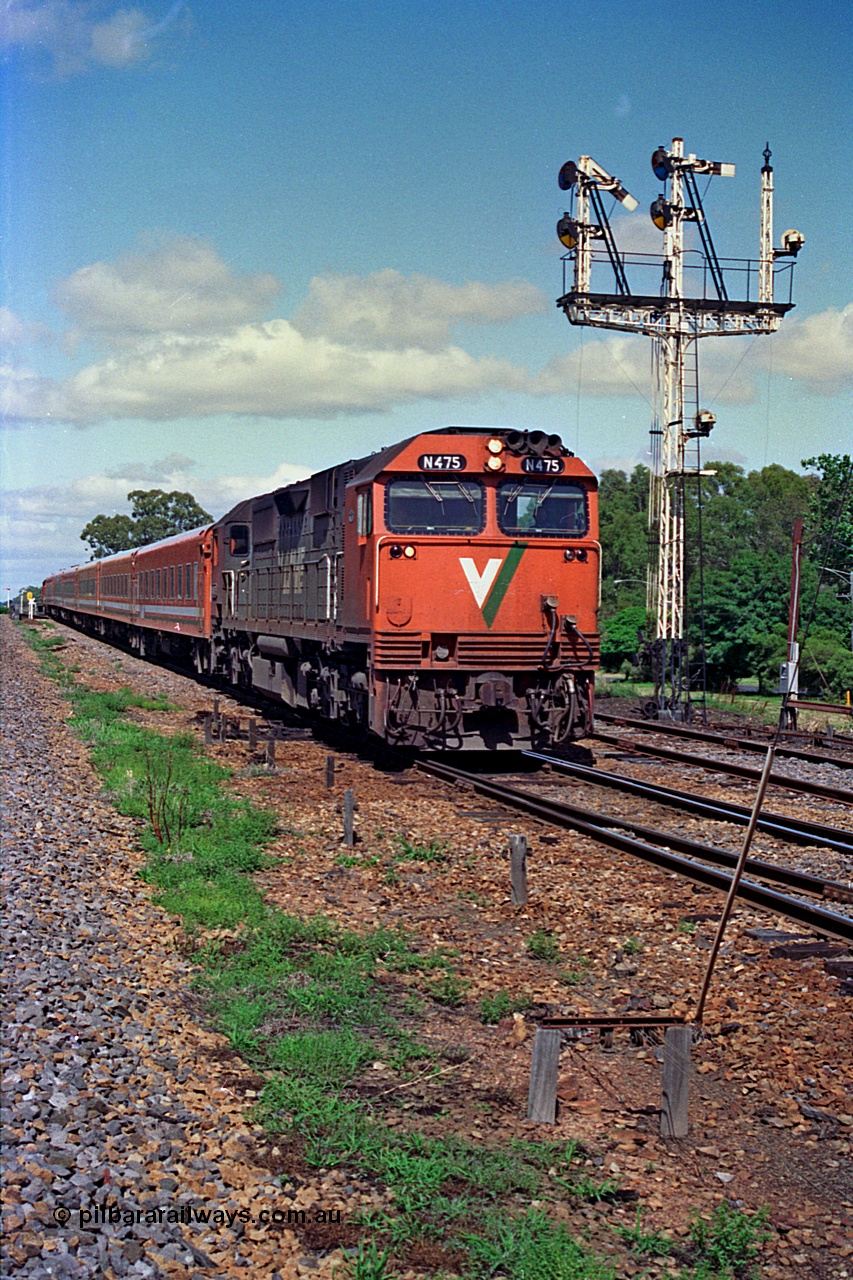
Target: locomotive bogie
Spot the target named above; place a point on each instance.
(441, 594)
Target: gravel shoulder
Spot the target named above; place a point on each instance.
(115, 1093)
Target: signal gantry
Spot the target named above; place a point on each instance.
(694, 299)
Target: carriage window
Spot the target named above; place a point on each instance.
(171, 582)
(543, 508)
(238, 540)
(180, 582)
(425, 505)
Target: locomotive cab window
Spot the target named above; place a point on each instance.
(238, 540)
(364, 508)
(543, 508)
(422, 504)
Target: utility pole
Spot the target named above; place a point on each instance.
(789, 674)
(675, 317)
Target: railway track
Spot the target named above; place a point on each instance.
(731, 740)
(791, 830)
(838, 794)
(655, 847)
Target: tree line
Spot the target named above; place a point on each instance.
(154, 515)
(747, 522)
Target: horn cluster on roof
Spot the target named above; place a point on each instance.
(536, 442)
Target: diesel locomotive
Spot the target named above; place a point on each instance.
(441, 594)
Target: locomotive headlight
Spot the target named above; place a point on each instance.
(495, 445)
(569, 553)
(409, 553)
(395, 551)
(494, 464)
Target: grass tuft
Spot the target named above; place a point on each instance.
(542, 945)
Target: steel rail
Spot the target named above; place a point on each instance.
(603, 831)
(840, 794)
(724, 739)
(792, 830)
(820, 886)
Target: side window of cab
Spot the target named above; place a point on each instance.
(364, 513)
(238, 540)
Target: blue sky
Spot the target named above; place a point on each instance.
(247, 241)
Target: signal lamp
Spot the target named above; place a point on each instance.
(661, 164)
(661, 214)
(567, 231)
(395, 551)
(582, 554)
(568, 176)
(409, 553)
(495, 445)
(494, 463)
(569, 553)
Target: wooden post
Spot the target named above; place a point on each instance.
(330, 772)
(216, 717)
(349, 813)
(676, 1082)
(518, 868)
(542, 1098)
(253, 733)
(270, 750)
(208, 728)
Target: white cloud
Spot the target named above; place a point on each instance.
(180, 286)
(388, 309)
(169, 470)
(76, 35)
(817, 349)
(26, 396)
(621, 366)
(271, 369)
(15, 332)
(40, 527)
(613, 367)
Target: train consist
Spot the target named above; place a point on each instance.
(441, 594)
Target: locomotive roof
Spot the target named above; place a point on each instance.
(366, 468)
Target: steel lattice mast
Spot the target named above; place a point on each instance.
(675, 318)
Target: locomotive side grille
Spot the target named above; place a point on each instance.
(500, 652)
(397, 651)
(486, 652)
(507, 653)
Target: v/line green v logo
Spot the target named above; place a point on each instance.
(490, 586)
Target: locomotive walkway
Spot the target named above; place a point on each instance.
(113, 1095)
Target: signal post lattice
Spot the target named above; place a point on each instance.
(675, 318)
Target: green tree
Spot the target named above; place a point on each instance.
(620, 634)
(108, 534)
(831, 508)
(154, 515)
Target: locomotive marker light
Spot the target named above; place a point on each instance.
(674, 320)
